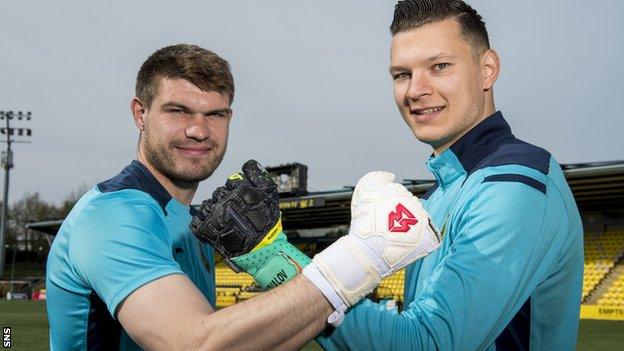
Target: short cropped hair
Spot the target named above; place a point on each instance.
(199, 66)
(411, 14)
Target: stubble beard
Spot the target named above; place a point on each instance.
(163, 158)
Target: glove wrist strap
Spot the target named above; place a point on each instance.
(344, 273)
(315, 276)
(349, 269)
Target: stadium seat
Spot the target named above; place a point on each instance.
(224, 301)
(601, 254)
(232, 287)
(391, 287)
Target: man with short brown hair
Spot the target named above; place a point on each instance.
(132, 229)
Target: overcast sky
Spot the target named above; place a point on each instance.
(312, 83)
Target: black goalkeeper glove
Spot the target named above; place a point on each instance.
(242, 222)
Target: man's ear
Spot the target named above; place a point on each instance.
(138, 113)
(490, 68)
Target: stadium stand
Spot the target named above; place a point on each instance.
(604, 269)
(615, 295)
(391, 287)
(232, 287)
(601, 254)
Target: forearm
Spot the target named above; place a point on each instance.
(284, 318)
(371, 326)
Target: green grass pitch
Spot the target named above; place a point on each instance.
(29, 324)
(29, 328)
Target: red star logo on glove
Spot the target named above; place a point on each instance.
(401, 220)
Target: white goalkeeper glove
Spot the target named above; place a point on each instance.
(389, 230)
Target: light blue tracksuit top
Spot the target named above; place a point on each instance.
(509, 272)
(122, 234)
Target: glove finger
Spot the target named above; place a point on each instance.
(199, 227)
(370, 186)
(219, 194)
(257, 175)
(200, 214)
(204, 210)
(235, 180)
(375, 179)
(399, 189)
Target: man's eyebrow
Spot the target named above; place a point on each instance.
(441, 55)
(436, 57)
(219, 110)
(188, 109)
(397, 68)
(175, 104)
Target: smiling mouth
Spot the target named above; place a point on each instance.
(194, 148)
(194, 151)
(426, 111)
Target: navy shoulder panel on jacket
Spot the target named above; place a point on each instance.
(517, 178)
(491, 143)
(137, 176)
(517, 152)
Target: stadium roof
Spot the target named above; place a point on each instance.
(597, 187)
(48, 227)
